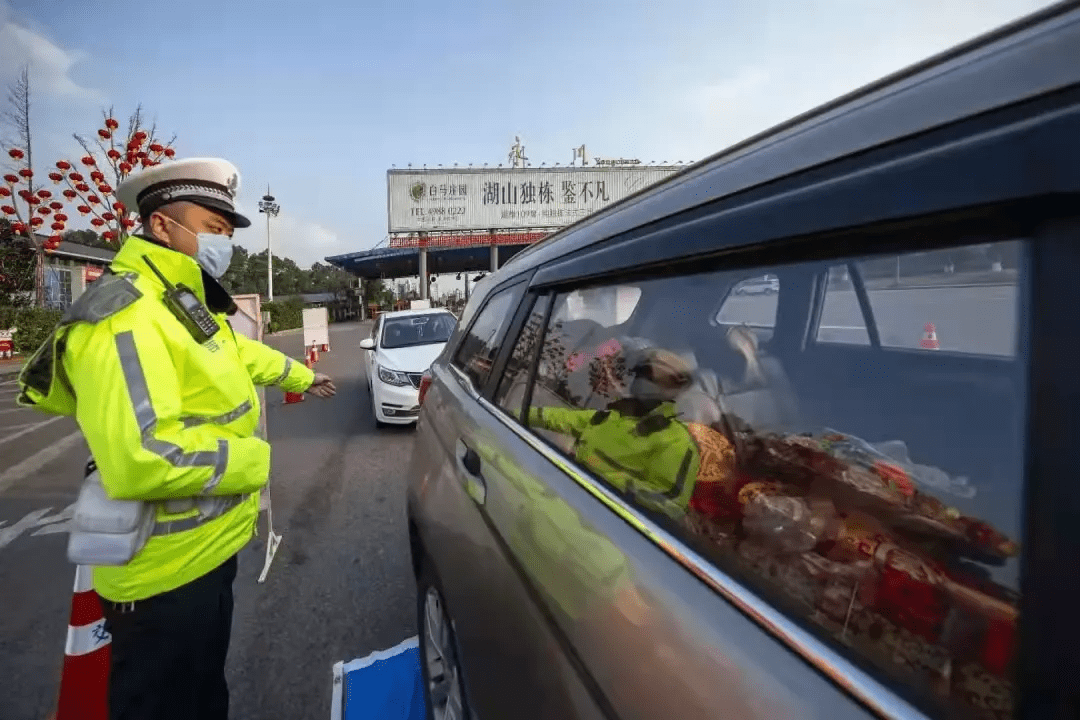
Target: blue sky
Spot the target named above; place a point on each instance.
(319, 99)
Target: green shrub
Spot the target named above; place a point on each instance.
(33, 325)
(285, 315)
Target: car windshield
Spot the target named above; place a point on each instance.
(413, 330)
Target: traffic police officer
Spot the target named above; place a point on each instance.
(164, 391)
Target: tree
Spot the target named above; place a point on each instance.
(17, 262)
(19, 203)
(109, 159)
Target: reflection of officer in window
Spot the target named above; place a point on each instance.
(636, 443)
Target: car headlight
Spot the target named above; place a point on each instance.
(393, 377)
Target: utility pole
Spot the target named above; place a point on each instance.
(271, 208)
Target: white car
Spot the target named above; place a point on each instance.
(401, 348)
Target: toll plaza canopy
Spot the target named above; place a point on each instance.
(384, 263)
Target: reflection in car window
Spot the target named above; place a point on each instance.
(480, 344)
(841, 317)
(751, 301)
(907, 293)
(880, 510)
(515, 377)
(605, 306)
(412, 330)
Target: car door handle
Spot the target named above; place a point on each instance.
(474, 482)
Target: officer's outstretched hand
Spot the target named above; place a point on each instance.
(323, 386)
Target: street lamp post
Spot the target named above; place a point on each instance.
(271, 208)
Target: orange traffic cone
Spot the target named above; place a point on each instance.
(291, 397)
(84, 684)
(929, 340)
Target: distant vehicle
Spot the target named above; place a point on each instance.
(401, 347)
(621, 507)
(765, 285)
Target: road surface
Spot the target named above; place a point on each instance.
(340, 586)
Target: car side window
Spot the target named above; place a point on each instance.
(880, 510)
(480, 344)
(511, 391)
(751, 302)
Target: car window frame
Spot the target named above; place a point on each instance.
(509, 285)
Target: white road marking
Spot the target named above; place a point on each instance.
(38, 460)
(31, 520)
(29, 429)
(8, 382)
(60, 522)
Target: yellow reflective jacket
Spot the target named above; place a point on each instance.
(652, 458)
(168, 420)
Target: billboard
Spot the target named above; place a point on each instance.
(510, 198)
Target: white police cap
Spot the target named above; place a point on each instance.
(209, 182)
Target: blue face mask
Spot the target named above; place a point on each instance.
(215, 253)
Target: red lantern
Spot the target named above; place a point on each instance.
(61, 217)
(97, 176)
(97, 222)
(12, 178)
(76, 177)
(146, 162)
(26, 172)
(111, 124)
(70, 194)
(128, 223)
(44, 194)
(119, 206)
(109, 235)
(57, 226)
(114, 154)
(63, 165)
(25, 194)
(104, 134)
(56, 177)
(7, 210)
(18, 227)
(32, 199)
(133, 145)
(125, 167)
(93, 199)
(82, 187)
(88, 161)
(140, 136)
(56, 206)
(104, 189)
(141, 155)
(43, 210)
(16, 153)
(169, 152)
(5, 192)
(156, 148)
(108, 216)
(36, 221)
(83, 209)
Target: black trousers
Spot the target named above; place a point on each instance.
(168, 652)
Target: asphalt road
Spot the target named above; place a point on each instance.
(339, 588)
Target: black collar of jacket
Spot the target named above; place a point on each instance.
(218, 298)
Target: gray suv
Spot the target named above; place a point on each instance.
(637, 492)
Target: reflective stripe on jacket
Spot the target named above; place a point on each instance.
(168, 420)
(653, 458)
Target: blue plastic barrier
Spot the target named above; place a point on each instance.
(385, 685)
